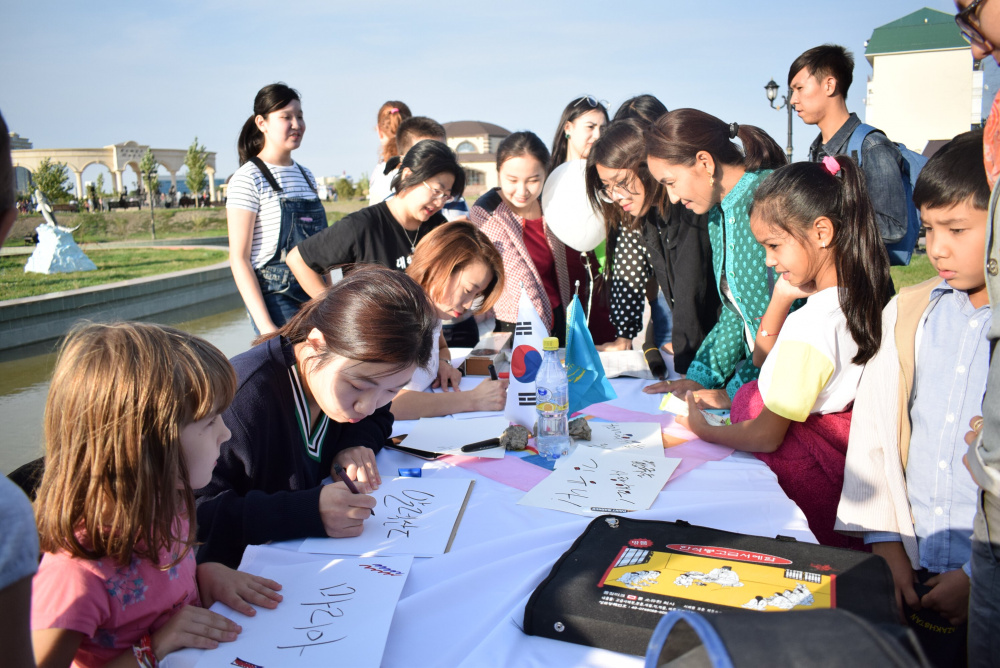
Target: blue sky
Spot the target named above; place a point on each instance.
(90, 74)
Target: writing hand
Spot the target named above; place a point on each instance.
(359, 463)
(342, 512)
(949, 596)
(489, 395)
(193, 627)
(239, 590)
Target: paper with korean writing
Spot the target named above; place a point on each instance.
(415, 516)
(334, 613)
(631, 437)
(593, 482)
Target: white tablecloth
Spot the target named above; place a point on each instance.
(465, 608)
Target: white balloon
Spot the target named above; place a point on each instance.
(567, 209)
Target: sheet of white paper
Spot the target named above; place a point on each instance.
(593, 481)
(334, 613)
(631, 437)
(448, 435)
(414, 516)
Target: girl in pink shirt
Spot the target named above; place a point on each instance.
(132, 427)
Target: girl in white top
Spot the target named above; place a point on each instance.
(819, 232)
(390, 115)
(271, 206)
(460, 270)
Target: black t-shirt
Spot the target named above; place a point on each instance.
(370, 235)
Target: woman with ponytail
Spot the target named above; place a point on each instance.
(817, 227)
(649, 236)
(390, 116)
(694, 156)
(271, 206)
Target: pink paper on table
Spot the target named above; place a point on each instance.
(692, 454)
(511, 471)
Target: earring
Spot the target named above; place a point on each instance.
(711, 181)
(567, 135)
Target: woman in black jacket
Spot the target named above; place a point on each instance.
(314, 394)
(650, 233)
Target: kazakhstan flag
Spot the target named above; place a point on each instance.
(588, 384)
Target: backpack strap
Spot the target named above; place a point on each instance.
(308, 182)
(858, 138)
(267, 173)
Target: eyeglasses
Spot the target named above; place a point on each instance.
(619, 190)
(439, 196)
(594, 103)
(965, 19)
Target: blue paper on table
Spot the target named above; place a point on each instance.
(588, 384)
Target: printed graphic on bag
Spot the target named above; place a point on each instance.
(712, 581)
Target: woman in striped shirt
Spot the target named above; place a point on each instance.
(271, 206)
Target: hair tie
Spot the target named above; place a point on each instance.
(394, 110)
(734, 129)
(831, 165)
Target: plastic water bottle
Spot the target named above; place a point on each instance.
(552, 403)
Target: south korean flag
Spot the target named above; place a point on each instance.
(525, 361)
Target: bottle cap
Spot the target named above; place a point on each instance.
(550, 343)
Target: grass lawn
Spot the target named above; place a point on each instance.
(133, 225)
(918, 271)
(112, 265)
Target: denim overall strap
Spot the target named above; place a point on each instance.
(300, 218)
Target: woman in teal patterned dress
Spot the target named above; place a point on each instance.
(693, 154)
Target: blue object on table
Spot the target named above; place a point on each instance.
(410, 473)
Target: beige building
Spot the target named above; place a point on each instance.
(476, 144)
(924, 84)
(116, 158)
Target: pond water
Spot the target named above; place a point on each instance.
(24, 373)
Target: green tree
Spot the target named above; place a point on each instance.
(345, 189)
(148, 167)
(196, 179)
(99, 185)
(52, 178)
(362, 187)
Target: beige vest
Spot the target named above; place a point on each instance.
(910, 307)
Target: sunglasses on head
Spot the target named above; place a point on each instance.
(594, 103)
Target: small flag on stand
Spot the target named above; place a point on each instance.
(525, 361)
(588, 384)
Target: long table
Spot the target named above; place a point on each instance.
(465, 608)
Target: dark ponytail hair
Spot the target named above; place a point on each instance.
(425, 159)
(646, 108)
(521, 144)
(269, 98)
(573, 111)
(373, 314)
(679, 135)
(621, 146)
(793, 197)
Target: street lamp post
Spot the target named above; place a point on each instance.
(772, 94)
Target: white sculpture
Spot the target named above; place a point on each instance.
(56, 251)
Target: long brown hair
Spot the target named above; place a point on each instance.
(115, 481)
(390, 115)
(793, 197)
(621, 146)
(450, 248)
(679, 135)
(373, 314)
